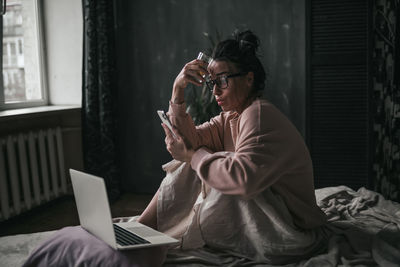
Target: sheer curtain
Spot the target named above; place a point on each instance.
(99, 93)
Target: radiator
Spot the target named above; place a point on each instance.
(31, 170)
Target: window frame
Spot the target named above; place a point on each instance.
(40, 39)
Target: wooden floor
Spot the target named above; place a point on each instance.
(62, 212)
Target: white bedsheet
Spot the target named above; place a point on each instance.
(16, 248)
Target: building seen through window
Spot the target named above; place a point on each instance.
(21, 58)
(13, 54)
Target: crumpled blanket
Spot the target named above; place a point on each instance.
(365, 227)
(259, 229)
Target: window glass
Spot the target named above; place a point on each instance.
(22, 68)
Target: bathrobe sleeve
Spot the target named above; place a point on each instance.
(209, 134)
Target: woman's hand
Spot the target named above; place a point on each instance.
(193, 72)
(177, 147)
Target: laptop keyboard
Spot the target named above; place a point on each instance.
(126, 238)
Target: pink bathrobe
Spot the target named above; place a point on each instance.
(256, 175)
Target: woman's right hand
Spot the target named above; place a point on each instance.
(193, 72)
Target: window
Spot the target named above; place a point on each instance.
(22, 83)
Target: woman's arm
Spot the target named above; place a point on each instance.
(209, 134)
(267, 148)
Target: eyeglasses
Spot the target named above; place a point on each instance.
(221, 81)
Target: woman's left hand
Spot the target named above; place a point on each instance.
(177, 146)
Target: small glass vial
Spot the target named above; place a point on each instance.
(204, 57)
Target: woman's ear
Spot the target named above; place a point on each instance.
(250, 79)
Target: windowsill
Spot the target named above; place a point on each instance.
(28, 112)
(29, 119)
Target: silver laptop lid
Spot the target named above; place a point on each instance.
(93, 207)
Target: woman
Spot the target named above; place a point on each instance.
(246, 184)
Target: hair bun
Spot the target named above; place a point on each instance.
(240, 50)
(248, 41)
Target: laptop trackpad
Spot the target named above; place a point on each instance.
(143, 231)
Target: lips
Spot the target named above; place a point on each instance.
(219, 101)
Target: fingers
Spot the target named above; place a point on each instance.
(199, 65)
(195, 72)
(194, 77)
(168, 133)
(202, 68)
(171, 136)
(176, 133)
(169, 139)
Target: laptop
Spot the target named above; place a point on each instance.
(95, 217)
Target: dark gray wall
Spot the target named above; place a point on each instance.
(156, 38)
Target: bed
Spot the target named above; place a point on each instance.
(364, 231)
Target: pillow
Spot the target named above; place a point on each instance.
(74, 246)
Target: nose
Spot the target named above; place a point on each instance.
(216, 90)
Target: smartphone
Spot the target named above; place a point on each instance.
(164, 118)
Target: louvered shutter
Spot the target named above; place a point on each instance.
(338, 94)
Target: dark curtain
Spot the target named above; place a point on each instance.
(397, 46)
(99, 93)
(387, 98)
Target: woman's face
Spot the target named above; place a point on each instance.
(235, 96)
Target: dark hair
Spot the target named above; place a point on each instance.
(241, 50)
